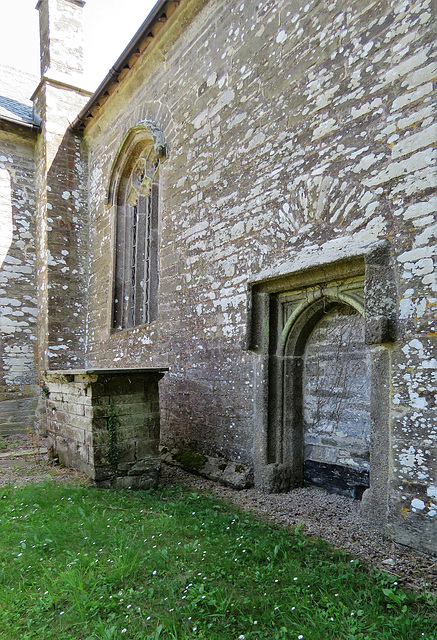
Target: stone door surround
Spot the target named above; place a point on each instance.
(283, 310)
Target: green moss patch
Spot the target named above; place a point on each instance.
(190, 459)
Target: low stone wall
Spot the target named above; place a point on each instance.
(105, 423)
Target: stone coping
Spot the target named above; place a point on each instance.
(112, 371)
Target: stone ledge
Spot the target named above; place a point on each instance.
(23, 453)
(232, 474)
(109, 371)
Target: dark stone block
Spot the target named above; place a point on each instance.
(380, 329)
(336, 479)
(379, 255)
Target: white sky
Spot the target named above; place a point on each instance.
(109, 25)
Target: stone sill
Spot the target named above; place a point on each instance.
(114, 371)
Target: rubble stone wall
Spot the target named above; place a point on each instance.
(299, 134)
(18, 307)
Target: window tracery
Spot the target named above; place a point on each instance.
(135, 194)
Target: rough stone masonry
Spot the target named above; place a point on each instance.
(293, 147)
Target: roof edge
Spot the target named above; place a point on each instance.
(133, 49)
(34, 127)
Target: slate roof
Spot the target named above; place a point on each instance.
(16, 87)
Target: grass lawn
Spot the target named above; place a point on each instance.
(83, 563)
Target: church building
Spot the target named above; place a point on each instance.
(228, 251)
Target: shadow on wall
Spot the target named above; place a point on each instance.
(18, 309)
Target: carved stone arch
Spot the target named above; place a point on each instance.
(133, 194)
(308, 313)
(325, 396)
(283, 311)
(144, 138)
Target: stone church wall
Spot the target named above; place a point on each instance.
(18, 309)
(61, 184)
(300, 134)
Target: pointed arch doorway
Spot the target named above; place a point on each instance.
(326, 398)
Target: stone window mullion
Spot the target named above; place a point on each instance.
(153, 252)
(119, 288)
(127, 267)
(147, 249)
(140, 260)
(134, 188)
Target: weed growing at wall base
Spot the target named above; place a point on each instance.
(89, 564)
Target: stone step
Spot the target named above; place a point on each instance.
(22, 453)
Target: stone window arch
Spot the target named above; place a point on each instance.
(134, 199)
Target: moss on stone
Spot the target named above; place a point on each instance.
(190, 459)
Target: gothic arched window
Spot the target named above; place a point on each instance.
(134, 193)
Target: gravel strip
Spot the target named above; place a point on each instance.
(324, 515)
(18, 466)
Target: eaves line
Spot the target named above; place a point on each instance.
(139, 43)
